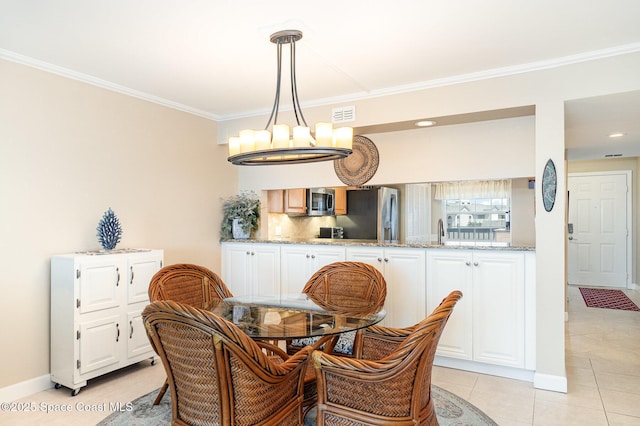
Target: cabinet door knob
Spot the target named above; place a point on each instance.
(386, 260)
(308, 255)
(467, 263)
(475, 263)
(313, 256)
(379, 259)
(248, 252)
(253, 253)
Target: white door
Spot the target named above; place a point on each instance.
(599, 229)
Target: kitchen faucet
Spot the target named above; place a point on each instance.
(440, 231)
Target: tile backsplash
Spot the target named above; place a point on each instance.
(285, 227)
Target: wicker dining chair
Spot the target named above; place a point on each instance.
(354, 287)
(194, 285)
(187, 283)
(219, 375)
(395, 389)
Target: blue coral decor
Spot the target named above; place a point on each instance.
(109, 230)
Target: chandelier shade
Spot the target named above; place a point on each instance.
(285, 145)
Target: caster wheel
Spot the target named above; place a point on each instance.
(75, 392)
(58, 386)
(153, 361)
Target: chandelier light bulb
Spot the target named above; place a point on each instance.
(262, 140)
(301, 136)
(324, 134)
(280, 136)
(234, 146)
(247, 143)
(344, 137)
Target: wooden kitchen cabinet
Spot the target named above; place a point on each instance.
(275, 201)
(97, 299)
(300, 262)
(341, 200)
(404, 272)
(251, 268)
(295, 201)
(488, 323)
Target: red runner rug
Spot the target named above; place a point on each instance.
(607, 298)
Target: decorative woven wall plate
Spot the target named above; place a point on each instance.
(359, 167)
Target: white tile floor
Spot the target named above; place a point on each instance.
(603, 369)
(603, 373)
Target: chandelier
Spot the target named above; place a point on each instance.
(280, 146)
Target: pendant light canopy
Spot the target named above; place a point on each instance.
(282, 145)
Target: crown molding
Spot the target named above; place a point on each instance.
(459, 79)
(85, 78)
(447, 81)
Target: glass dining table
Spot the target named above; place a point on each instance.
(281, 317)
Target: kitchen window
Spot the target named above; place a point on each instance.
(477, 211)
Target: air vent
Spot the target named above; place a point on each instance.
(343, 115)
(612, 155)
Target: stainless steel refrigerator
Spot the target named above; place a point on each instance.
(372, 214)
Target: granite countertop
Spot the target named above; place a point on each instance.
(375, 243)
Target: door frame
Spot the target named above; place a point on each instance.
(630, 231)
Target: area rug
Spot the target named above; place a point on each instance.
(607, 298)
(450, 409)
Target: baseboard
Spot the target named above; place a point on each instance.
(26, 388)
(549, 382)
(480, 367)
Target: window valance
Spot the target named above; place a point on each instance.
(464, 190)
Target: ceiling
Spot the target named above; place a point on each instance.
(214, 58)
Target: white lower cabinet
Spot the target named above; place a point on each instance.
(300, 262)
(404, 272)
(489, 323)
(493, 325)
(251, 268)
(96, 305)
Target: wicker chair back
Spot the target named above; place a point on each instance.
(219, 375)
(393, 389)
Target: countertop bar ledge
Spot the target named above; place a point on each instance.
(375, 243)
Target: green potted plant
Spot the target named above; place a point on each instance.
(240, 215)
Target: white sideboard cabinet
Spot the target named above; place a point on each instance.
(97, 299)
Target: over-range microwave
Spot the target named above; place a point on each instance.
(321, 201)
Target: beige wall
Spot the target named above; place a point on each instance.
(68, 152)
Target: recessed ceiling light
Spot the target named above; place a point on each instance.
(616, 135)
(425, 123)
